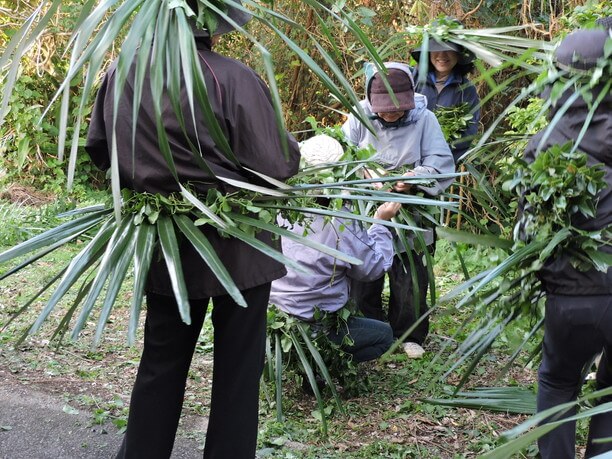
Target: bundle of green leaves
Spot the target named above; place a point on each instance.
(339, 364)
(556, 189)
(300, 352)
(453, 121)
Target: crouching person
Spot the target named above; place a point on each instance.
(326, 287)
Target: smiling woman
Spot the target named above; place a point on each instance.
(447, 85)
(444, 62)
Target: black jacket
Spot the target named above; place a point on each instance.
(557, 275)
(242, 105)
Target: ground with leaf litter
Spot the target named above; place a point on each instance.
(90, 388)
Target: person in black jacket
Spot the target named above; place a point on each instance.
(578, 317)
(448, 85)
(242, 104)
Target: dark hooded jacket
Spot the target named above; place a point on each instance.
(242, 105)
(457, 90)
(557, 275)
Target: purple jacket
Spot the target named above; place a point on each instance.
(327, 286)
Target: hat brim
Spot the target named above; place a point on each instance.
(238, 17)
(465, 57)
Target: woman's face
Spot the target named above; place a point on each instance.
(443, 61)
(391, 117)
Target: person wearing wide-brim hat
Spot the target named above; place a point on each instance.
(241, 101)
(447, 85)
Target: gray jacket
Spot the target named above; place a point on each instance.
(418, 142)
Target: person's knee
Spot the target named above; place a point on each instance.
(386, 337)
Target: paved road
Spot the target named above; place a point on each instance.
(34, 425)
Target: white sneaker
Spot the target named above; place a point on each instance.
(413, 350)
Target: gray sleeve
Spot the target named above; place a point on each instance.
(436, 156)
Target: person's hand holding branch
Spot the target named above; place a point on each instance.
(387, 210)
(403, 187)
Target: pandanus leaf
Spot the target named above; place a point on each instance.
(172, 257)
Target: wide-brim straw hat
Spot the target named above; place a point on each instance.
(465, 56)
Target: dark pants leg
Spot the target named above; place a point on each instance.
(368, 298)
(576, 328)
(157, 396)
(601, 425)
(371, 338)
(240, 340)
(408, 286)
(407, 300)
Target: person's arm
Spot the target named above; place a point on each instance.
(436, 157)
(374, 246)
(96, 144)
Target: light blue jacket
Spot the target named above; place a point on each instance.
(327, 287)
(418, 142)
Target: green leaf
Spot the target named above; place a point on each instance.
(302, 240)
(519, 443)
(172, 257)
(210, 257)
(68, 230)
(311, 380)
(314, 353)
(70, 410)
(473, 239)
(266, 249)
(501, 399)
(279, 377)
(113, 251)
(121, 263)
(145, 243)
(76, 268)
(517, 257)
(601, 260)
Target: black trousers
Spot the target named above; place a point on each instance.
(576, 329)
(407, 300)
(169, 344)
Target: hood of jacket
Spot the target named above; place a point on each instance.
(420, 101)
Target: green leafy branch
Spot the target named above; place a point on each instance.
(558, 188)
(303, 352)
(453, 121)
